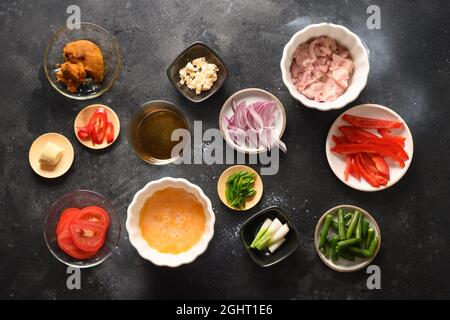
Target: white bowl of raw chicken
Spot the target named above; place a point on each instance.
(345, 38)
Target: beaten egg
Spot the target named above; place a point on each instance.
(172, 220)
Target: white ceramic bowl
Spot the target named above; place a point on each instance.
(251, 95)
(134, 232)
(346, 38)
(343, 265)
(337, 162)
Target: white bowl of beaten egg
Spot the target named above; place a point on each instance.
(170, 222)
(348, 48)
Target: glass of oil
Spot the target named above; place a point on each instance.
(151, 128)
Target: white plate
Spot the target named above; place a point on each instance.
(251, 95)
(345, 37)
(343, 265)
(337, 162)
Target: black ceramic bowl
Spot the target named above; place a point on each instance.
(194, 51)
(250, 228)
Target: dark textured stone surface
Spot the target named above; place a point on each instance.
(409, 72)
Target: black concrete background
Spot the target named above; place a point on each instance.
(410, 66)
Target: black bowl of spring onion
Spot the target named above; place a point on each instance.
(269, 236)
(347, 238)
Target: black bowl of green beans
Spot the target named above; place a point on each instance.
(347, 238)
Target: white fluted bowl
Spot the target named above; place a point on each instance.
(347, 39)
(134, 231)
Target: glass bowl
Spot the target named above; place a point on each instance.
(83, 31)
(80, 199)
(143, 111)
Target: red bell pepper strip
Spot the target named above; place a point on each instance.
(357, 135)
(109, 132)
(348, 163)
(339, 139)
(369, 123)
(364, 173)
(381, 165)
(98, 122)
(372, 170)
(369, 148)
(386, 134)
(354, 169)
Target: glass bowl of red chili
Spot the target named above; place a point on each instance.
(82, 229)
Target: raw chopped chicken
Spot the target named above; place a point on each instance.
(321, 69)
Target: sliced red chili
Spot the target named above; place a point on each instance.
(98, 122)
(109, 132)
(84, 132)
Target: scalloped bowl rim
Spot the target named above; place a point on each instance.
(151, 254)
(344, 99)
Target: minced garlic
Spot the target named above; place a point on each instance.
(199, 75)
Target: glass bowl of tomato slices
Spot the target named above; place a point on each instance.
(82, 229)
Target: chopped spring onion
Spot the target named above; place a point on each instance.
(261, 231)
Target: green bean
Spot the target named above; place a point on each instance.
(352, 225)
(346, 255)
(373, 246)
(359, 226)
(326, 249)
(348, 242)
(324, 231)
(341, 225)
(333, 253)
(370, 236)
(348, 216)
(334, 225)
(362, 253)
(365, 227)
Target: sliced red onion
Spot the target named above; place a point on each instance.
(253, 125)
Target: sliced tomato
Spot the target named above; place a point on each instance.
(381, 165)
(66, 216)
(86, 236)
(370, 123)
(109, 132)
(372, 170)
(367, 148)
(66, 244)
(94, 215)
